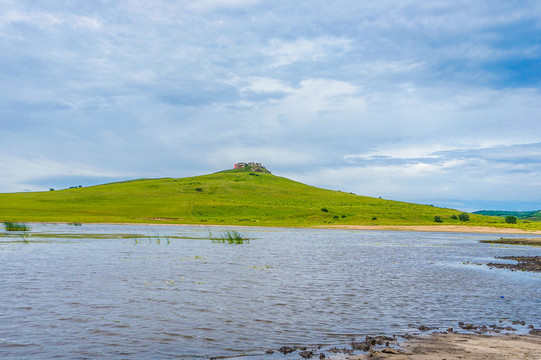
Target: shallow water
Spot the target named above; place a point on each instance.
(188, 298)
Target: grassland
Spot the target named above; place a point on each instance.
(232, 197)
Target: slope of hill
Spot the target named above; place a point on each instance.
(233, 197)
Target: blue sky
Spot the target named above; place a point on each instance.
(430, 102)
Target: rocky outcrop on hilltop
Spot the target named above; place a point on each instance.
(251, 166)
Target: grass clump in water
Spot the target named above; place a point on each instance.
(13, 226)
(230, 237)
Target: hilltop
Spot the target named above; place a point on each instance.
(239, 196)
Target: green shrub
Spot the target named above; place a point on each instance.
(454, 217)
(437, 219)
(198, 189)
(335, 217)
(374, 218)
(464, 216)
(324, 210)
(510, 219)
(12, 226)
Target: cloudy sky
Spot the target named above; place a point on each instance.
(433, 102)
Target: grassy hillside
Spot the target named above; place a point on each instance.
(233, 197)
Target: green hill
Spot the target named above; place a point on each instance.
(233, 197)
(523, 215)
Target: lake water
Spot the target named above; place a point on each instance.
(187, 298)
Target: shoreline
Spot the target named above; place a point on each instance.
(436, 228)
(453, 346)
(512, 340)
(413, 228)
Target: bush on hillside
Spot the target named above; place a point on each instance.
(464, 216)
(437, 219)
(510, 219)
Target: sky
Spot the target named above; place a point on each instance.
(431, 102)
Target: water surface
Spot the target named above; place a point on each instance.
(188, 297)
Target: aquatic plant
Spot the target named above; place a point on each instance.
(12, 226)
(262, 267)
(25, 237)
(138, 239)
(230, 237)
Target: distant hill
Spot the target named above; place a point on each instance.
(523, 215)
(232, 197)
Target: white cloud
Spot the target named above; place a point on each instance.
(406, 91)
(21, 173)
(285, 53)
(208, 5)
(44, 20)
(261, 84)
(318, 95)
(415, 151)
(268, 155)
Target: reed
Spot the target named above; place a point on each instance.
(24, 237)
(230, 237)
(13, 226)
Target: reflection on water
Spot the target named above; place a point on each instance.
(188, 297)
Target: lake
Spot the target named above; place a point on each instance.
(138, 292)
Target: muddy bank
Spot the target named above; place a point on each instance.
(463, 346)
(524, 263)
(521, 241)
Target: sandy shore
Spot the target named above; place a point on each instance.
(464, 346)
(437, 228)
